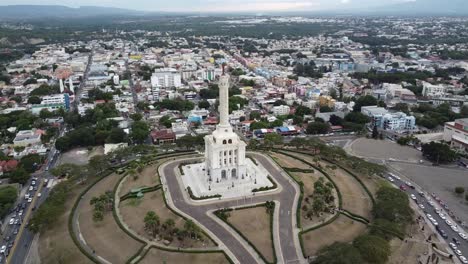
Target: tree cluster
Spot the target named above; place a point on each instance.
(8, 196)
(101, 204)
(438, 152)
(322, 199)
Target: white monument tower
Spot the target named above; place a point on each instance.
(224, 151)
(225, 171)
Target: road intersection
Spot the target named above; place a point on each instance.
(285, 231)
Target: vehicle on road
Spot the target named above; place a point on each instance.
(3, 249)
(12, 221)
(456, 241)
(15, 231)
(391, 179)
(448, 222)
(402, 187)
(29, 200)
(454, 228)
(453, 246)
(463, 235)
(413, 197)
(458, 252)
(463, 259)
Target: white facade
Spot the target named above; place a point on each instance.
(281, 110)
(166, 77)
(224, 151)
(457, 134)
(432, 90)
(54, 99)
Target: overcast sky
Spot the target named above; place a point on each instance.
(213, 5)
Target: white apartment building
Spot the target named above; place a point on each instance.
(432, 90)
(166, 77)
(456, 133)
(383, 119)
(26, 138)
(281, 110)
(52, 103)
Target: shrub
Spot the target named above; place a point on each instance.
(459, 190)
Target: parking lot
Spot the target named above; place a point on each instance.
(383, 149)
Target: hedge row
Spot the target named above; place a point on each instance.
(299, 170)
(186, 251)
(129, 261)
(143, 190)
(180, 215)
(72, 213)
(355, 177)
(314, 228)
(301, 195)
(266, 188)
(194, 197)
(275, 260)
(353, 215)
(75, 205)
(340, 197)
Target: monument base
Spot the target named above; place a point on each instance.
(194, 176)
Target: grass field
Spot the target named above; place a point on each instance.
(55, 244)
(159, 256)
(342, 229)
(254, 224)
(308, 179)
(105, 237)
(148, 177)
(134, 213)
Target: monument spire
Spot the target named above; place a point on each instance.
(224, 99)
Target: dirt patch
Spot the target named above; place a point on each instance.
(254, 224)
(80, 156)
(148, 177)
(105, 237)
(134, 212)
(343, 229)
(55, 244)
(159, 256)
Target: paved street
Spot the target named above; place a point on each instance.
(429, 205)
(287, 198)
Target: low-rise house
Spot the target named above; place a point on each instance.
(26, 138)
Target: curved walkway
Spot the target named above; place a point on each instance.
(285, 229)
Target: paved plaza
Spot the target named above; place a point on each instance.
(195, 177)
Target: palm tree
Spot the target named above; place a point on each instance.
(191, 228)
(152, 222)
(169, 224)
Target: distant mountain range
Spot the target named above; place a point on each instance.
(409, 7)
(26, 12)
(424, 7)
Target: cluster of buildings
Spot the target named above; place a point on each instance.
(135, 76)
